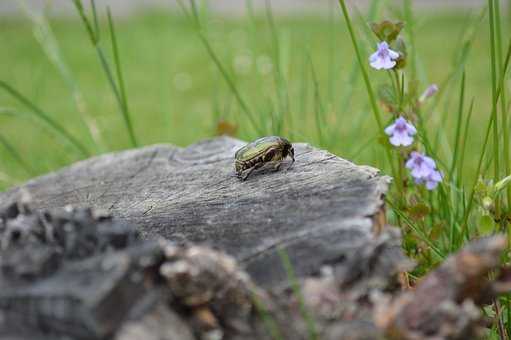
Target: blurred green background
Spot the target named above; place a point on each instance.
(176, 94)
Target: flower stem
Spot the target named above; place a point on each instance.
(401, 180)
(369, 89)
(464, 226)
(400, 158)
(494, 98)
(399, 89)
(503, 99)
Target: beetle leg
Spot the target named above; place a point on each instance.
(292, 155)
(277, 165)
(257, 166)
(290, 165)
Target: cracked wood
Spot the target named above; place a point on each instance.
(324, 207)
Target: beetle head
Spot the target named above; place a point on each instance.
(289, 151)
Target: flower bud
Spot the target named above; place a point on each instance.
(430, 92)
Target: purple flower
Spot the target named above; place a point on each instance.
(420, 165)
(423, 170)
(401, 132)
(384, 57)
(430, 92)
(431, 181)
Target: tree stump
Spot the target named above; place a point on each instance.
(75, 274)
(320, 211)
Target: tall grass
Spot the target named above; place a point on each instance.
(464, 216)
(46, 119)
(116, 81)
(194, 16)
(50, 45)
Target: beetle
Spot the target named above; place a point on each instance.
(265, 150)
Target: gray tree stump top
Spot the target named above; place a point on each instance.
(321, 210)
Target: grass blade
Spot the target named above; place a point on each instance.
(94, 36)
(96, 21)
(458, 62)
(459, 122)
(410, 25)
(44, 35)
(295, 285)
(269, 322)
(216, 60)
(303, 102)
(279, 78)
(369, 89)
(120, 81)
(319, 111)
(58, 129)
(503, 96)
(417, 230)
(493, 70)
(485, 143)
(461, 164)
(370, 92)
(16, 156)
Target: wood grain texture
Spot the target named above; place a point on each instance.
(321, 210)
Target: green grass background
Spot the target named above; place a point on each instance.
(176, 95)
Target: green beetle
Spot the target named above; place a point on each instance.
(266, 150)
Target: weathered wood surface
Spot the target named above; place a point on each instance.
(321, 210)
(73, 275)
